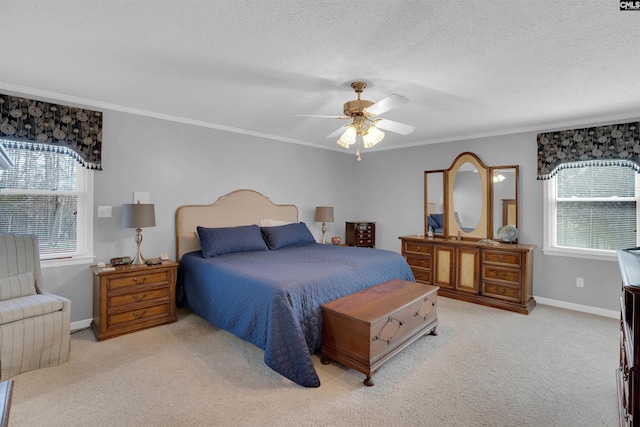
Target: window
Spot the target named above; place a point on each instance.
(48, 193)
(591, 211)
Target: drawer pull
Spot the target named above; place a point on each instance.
(135, 296)
(500, 258)
(499, 291)
(135, 313)
(144, 279)
(500, 275)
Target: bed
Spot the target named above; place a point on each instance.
(270, 293)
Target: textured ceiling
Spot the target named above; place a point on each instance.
(472, 68)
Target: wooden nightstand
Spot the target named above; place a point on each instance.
(132, 297)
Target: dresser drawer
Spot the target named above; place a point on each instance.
(364, 235)
(362, 242)
(422, 276)
(419, 261)
(417, 248)
(501, 274)
(140, 296)
(138, 279)
(139, 314)
(501, 291)
(500, 257)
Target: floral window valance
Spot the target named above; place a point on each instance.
(617, 144)
(38, 125)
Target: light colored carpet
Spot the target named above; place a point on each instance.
(487, 367)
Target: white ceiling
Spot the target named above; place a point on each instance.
(469, 68)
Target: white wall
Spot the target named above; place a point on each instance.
(182, 164)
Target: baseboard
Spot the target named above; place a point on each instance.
(578, 307)
(80, 324)
(83, 324)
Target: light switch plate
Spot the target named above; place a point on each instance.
(104, 211)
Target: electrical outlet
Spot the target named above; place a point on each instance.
(580, 282)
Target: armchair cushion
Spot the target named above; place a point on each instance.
(20, 285)
(30, 306)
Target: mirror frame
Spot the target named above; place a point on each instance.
(485, 227)
(484, 224)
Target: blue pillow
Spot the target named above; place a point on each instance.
(432, 223)
(284, 236)
(438, 218)
(227, 240)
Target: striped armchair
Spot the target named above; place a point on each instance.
(34, 325)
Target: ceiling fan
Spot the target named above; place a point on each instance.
(365, 127)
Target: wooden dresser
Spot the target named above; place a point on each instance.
(498, 276)
(367, 328)
(361, 234)
(628, 374)
(133, 297)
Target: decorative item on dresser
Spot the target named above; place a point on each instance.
(128, 298)
(628, 374)
(361, 234)
(489, 273)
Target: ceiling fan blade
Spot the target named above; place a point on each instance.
(393, 126)
(390, 102)
(337, 132)
(322, 117)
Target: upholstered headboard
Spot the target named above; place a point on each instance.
(240, 207)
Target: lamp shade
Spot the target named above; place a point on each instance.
(324, 214)
(139, 215)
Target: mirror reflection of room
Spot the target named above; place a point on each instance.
(467, 197)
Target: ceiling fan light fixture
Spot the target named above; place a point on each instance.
(348, 137)
(372, 137)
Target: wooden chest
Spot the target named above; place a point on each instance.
(366, 329)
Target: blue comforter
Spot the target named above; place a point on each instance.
(272, 298)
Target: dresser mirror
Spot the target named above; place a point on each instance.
(434, 201)
(504, 181)
(470, 199)
(467, 197)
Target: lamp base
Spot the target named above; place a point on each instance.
(138, 259)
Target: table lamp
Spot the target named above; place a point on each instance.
(138, 216)
(324, 214)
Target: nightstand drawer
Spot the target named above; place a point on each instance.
(138, 315)
(136, 297)
(139, 279)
